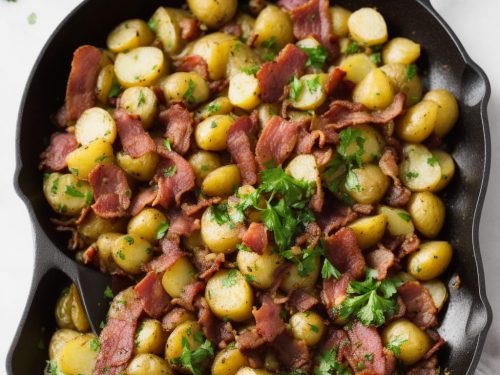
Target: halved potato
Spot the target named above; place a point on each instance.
(357, 67)
(374, 91)
(95, 123)
(400, 51)
(167, 29)
(219, 238)
(369, 230)
(303, 167)
(313, 92)
(221, 181)
(79, 355)
(244, 91)
(417, 171)
(447, 168)
(368, 26)
(85, 158)
(129, 34)
(428, 212)
(398, 220)
(140, 101)
(140, 66)
(438, 292)
(215, 49)
(418, 122)
(104, 83)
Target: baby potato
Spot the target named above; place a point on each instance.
(438, 292)
(211, 134)
(66, 194)
(273, 24)
(204, 162)
(131, 252)
(400, 51)
(229, 295)
(213, 13)
(417, 171)
(104, 83)
(403, 79)
(218, 238)
(63, 310)
(398, 220)
(78, 315)
(241, 58)
(427, 212)
(411, 340)
(58, 340)
(105, 244)
(140, 66)
(293, 280)
(221, 181)
(142, 168)
(367, 185)
(252, 371)
(85, 158)
(177, 277)
(418, 122)
(219, 106)
(140, 101)
(367, 26)
(265, 112)
(79, 355)
(303, 167)
(244, 91)
(228, 361)
(187, 86)
(447, 114)
(313, 92)
(167, 29)
(215, 49)
(258, 269)
(369, 230)
(95, 123)
(357, 67)
(93, 226)
(128, 35)
(187, 331)
(372, 144)
(374, 91)
(147, 223)
(150, 337)
(447, 166)
(148, 364)
(307, 326)
(340, 18)
(247, 24)
(430, 260)
(194, 243)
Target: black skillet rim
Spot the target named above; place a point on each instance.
(477, 210)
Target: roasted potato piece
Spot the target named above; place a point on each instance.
(247, 24)
(367, 26)
(178, 276)
(131, 252)
(219, 238)
(244, 91)
(293, 279)
(367, 185)
(303, 167)
(438, 292)
(252, 371)
(66, 194)
(104, 83)
(211, 134)
(258, 269)
(242, 58)
(357, 67)
(93, 226)
(140, 101)
(142, 168)
(274, 26)
(78, 315)
(128, 35)
(218, 106)
(79, 355)
(58, 340)
(418, 122)
(340, 18)
(228, 361)
(404, 78)
(430, 261)
(63, 310)
(147, 224)
(148, 364)
(213, 13)
(265, 112)
(204, 162)
(186, 331)
(150, 337)
(166, 27)
(105, 244)
(369, 230)
(140, 66)
(221, 181)
(447, 166)
(312, 93)
(427, 212)
(307, 326)
(364, 138)
(215, 49)
(95, 123)
(374, 91)
(398, 220)
(418, 171)
(447, 113)
(400, 51)
(187, 86)
(85, 158)
(413, 343)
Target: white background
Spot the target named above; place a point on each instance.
(475, 21)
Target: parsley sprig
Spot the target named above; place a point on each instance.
(316, 56)
(329, 364)
(194, 360)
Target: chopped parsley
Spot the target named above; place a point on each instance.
(251, 71)
(162, 230)
(328, 270)
(410, 175)
(153, 24)
(55, 186)
(404, 216)
(120, 254)
(242, 247)
(432, 160)
(313, 327)
(194, 360)
(370, 300)
(51, 368)
(213, 107)
(395, 345)
(94, 344)
(204, 168)
(411, 72)
(142, 99)
(376, 58)
(213, 125)
(129, 240)
(170, 171)
(167, 144)
(313, 84)
(108, 293)
(353, 48)
(271, 48)
(231, 278)
(328, 364)
(305, 260)
(249, 278)
(188, 95)
(32, 18)
(72, 192)
(316, 56)
(115, 89)
(295, 88)
(348, 137)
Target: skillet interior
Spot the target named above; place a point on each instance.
(444, 63)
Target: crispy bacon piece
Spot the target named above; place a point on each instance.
(232, 29)
(345, 113)
(178, 122)
(268, 321)
(334, 292)
(307, 140)
(310, 237)
(338, 340)
(388, 164)
(111, 191)
(207, 262)
(335, 81)
(249, 340)
(173, 318)
(290, 4)
(301, 300)
(193, 63)
(194, 209)
(154, 298)
(363, 209)
(410, 244)
(438, 343)
(80, 90)
(54, 157)
(142, 199)
(343, 251)
(313, 18)
(135, 140)
(190, 28)
(220, 333)
(188, 295)
(335, 215)
(381, 260)
(397, 196)
(171, 253)
(292, 353)
(426, 367)
(238, 144)
(256, 238)
(278, 275)
(274, 76)
(174, 176)
(366, 348)
(420, 308)
(181, 225)
(276, 141)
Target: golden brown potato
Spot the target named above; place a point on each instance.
(430, 261)
(418, 122)
(204, 162)
(367, 185)
(228, 361)
(78, 314)
(165, 24)
(215, 49)
(340, 17)
(252, 371)
(372, 144)
(140, 66)
(273, 26)
(427, 212)
(211, 134)
(142, 168)
(58, 340)
(105, 244)
(147, 223)
(447, 165)
(369, 230)
(93, 226)
(187, 86)
(128, 35)
(418, 171)
(438, 292)
(149, 337)
(148, 364)
(85, 158)
(374, 91)
(131, 252)
(213, 13)
(63, 310)
(187, 331)
(398, 220)
(307, 326)
(400, 51)
(104, 83)
(258, 269)
(66, 194)
(95, 123)
(221, 181)
(404, 78)
(79, 355)
(367, 26)
(219, 238)
(140, 101)
(294, 280)
(357, 67)
(229, 295)
(244, 91)
(178, 276)
(411, 341)
(447, 114)
(312, 93)
(218, 106)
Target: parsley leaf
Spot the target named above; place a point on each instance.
(411, 72)
(32, 18)
(410, 175)
(162, 229)
(231, 278)
(316, 56)
(251, 70)
(170, 171)
(353, 48)
(432, 160)
(271, 47)
(72, 192)
(376, 58)
(295, 89)
(213, 107)
(142, 99)
(115, 89)
(108, 293)
(313, 84)
(220, 213)
(194, 360)
(328, 270)
(167, 144)
(351, 146)
(153, 24)
(95, 345)
(404, 216)
(328, 364)
(305, 260)
(188, 95)
(395, 345)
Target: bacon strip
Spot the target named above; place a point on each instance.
(366, 348)
(154, 298)
(238, 144)
(274, 76)
(193, 63)
(269, 324)
(135, 140)
(80, 90)
(111, 191)
(178, 122)
(343, 251)
(54, 157)
(256, 238)
(220, 333)
(420, 308)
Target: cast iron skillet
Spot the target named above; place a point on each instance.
(467, 316)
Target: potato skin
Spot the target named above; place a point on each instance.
(66, 194)
(149, 337)
(79, 355)
(142, 168)
(369, 230)
(218, 238)
(307, 326)
(418, 171)
(128, 35)
(438, 292)
(131, 252)
(294, 280)
(140, 66)
(417, 341)
(228, 361)
(447, 165)
(173, 347)
(340, 17)
(204, 162)
(146, 224)
(221, 181)
(447, 113)
(273, 23)
(371, 184)
(229, 295)
(398, 220)
(400, 51)
(180, 274)
(357, 67)
(93, 226)
(215, 49)
(187, 86)
(427, 212)
(258, 269)
(367, 26)
(85, 158)
(418, 122)
(140, 101)
(244, 91)
(398, 76)
(211, 133)
(213, 13)
(430, 261)
(58, 340)
(374, 91)
(252, 371)
(148, 364)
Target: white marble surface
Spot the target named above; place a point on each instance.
(475, 22)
